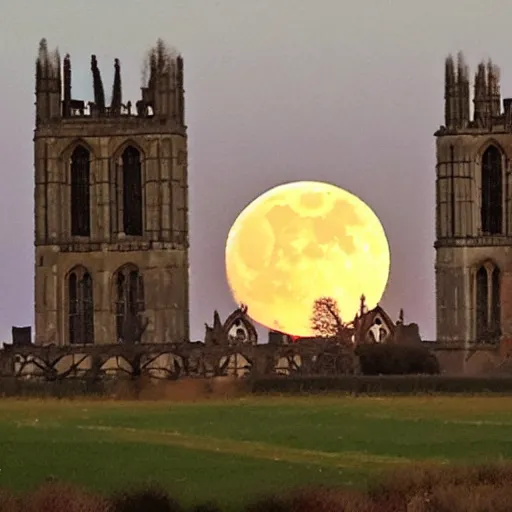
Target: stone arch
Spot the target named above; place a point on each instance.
(128, 301)
(67, 151)
(239, 329)
(80, 305)
(485, 145)
(118, 150)
(487, 301)
(486, 262)
(375, 326)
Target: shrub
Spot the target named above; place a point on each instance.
(384, 359)
(9, 502)
(206, 507)
(423, 488)
(330, 500)
(269, 504)
(381, 384)
(60, 497)
(152, 499)
(317, 500)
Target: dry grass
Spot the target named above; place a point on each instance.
(326, 432)
(182, 390)
(418, 489)
(486, 488)
(9, 502)
(60, 497)
(152, 499)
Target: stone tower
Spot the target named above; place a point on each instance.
(111, 212)
(474, 209)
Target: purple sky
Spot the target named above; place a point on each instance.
(276, 91)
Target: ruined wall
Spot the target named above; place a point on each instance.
(469, 363)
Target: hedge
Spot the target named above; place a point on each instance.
(348, 384)
(390, 359)
(381, 384)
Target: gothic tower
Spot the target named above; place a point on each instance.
(473, 209)
(111, 207)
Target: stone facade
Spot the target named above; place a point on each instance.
(111, 207)
(474, 210)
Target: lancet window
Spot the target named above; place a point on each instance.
(80, 307)
(488, 323)
(80, 192)
(129, 304)
(131, 191)
(492, 192)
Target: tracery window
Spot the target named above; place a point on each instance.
(80, 192)
(488, 303)
(129, 303)
(80, 307)
(492, 192)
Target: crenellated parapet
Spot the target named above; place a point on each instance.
(162, 91)
(487, 111)
(48, 84)
(456, 92)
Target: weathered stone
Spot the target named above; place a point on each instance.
(160, 137)
(473, 211)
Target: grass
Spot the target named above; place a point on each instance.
(232, 450)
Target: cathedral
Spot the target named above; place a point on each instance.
(473, 209)
(111, 206)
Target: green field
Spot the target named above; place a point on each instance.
(232, 450)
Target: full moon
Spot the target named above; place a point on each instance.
(301, 241)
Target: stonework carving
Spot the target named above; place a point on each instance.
(237, 329)
(111, 192)
(374, 326)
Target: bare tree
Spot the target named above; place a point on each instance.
(326, 321)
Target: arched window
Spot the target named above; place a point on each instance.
(492, 192)
(132, 192)
(80, 194)
(488, 304)
(80, 307)
(129, 304)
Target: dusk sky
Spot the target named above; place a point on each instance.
(276, 91)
